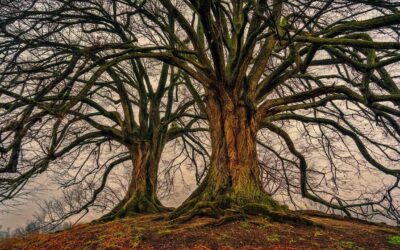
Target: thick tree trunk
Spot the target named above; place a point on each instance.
(141, 197)
(233, 180)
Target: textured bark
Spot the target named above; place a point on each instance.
(141, 197)
(234, 176)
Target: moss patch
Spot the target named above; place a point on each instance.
(394, 240)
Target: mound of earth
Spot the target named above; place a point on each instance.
(155, 232)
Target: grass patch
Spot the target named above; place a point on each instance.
(223, 237)
(137, 239)
(244, 224)
(264, 223)
(118, 234)
(394, 240)
(318, 233)
(164, 232)
(348, 244)
(273, 238)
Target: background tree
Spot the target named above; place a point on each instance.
(74, 105)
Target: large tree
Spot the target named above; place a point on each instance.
(262, 63)
(72, 104)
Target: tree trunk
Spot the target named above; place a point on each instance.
(233, 180)
(141, 197)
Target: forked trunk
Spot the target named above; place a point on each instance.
(233, 179)
(141, 196)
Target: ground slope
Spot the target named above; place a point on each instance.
(153, 232)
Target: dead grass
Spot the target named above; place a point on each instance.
(148, 232)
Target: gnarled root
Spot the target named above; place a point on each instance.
(138, 204)
(225, 210)
(228, 219)
(279, 216)
(205, 208)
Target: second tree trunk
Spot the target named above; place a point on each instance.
(141, 196)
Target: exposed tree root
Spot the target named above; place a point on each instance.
(138, 204)
(205, 208)
(287, 216)
(227, 219)
(161, 217)
(227, 213)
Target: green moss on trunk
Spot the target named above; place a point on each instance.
(141, 196)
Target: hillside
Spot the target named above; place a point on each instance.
(154, 232)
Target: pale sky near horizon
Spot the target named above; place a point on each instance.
(26, 211)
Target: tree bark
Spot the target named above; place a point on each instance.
(141, 196)
(233, 180)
